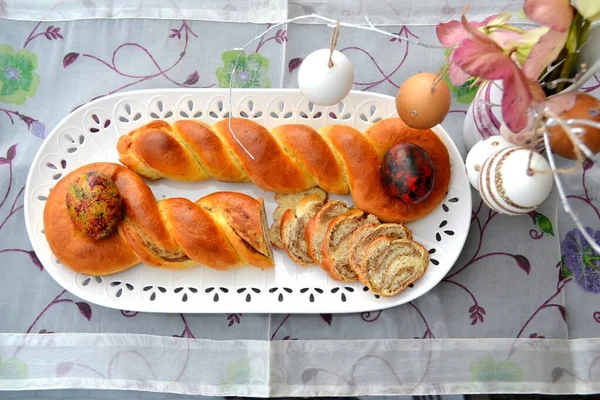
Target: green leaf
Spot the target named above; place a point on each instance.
(466, 92)
(9, 87)
(25, 80)
(259, 61)
(35, 83)
(229, 58)
(25, 60)
(7, 56)
(544, 223)
(573, 36)
(223, 76)
(564, 271)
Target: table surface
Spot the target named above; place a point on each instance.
(507, 318)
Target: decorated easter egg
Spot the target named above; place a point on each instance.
(94, 204)
(323, 84)
(506, 185)
(479, 153)
(407, 173)
(420, 103)
(586, 107)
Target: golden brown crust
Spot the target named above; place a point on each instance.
(72, 247)
(271, 168)
(241, 220)
(307, 147)
(363, 163)
(199, 235)
(388, 132)
(172, 233)
(243, 214)
(211, 152)
(142, 227)
(156, 147)
(289, 159)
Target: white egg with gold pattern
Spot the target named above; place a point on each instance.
(324, 85)
(506, 185)
(479, 153)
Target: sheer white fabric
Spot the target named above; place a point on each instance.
(390, 12)
(506, 284)
(299, 368)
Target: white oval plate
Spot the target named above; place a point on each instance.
(90, 134)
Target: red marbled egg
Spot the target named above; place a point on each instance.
(94, 204)
(407, 172)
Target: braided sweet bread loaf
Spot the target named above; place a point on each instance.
(223, 230)
(287, 159)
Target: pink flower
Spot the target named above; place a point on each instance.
(555, 14)
(480, 56)
(450, 34)
(453, 33)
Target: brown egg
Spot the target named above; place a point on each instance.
(586, 107)
(421, 105)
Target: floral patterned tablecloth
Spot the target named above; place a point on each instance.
(519, 311)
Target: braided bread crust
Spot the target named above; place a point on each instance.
(287, 159)
(223, 230)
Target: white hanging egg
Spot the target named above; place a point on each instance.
(324, 85)
(479, 153)
(506, 186)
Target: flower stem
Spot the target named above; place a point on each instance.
(579, 29)
(263, 43)
(427, 328)
(505, 27)
(30, 37)
(56, 300)
(279, 326)
(566, 71)
(9, 185)
(545, 304)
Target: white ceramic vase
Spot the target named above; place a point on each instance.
(484, 115)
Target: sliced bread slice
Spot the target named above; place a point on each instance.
(288, 201)
(293, 226)
(390, 265)
(365, 235)
(317, 227)
(336, 244)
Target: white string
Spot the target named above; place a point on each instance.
(588, 122)
(583, 78)
(370, 27)
(331, 21)
(565, 201)
(550, 69)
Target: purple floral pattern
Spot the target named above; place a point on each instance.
(184, 32)
(485, 260)
(14, 209)
(580, 259)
